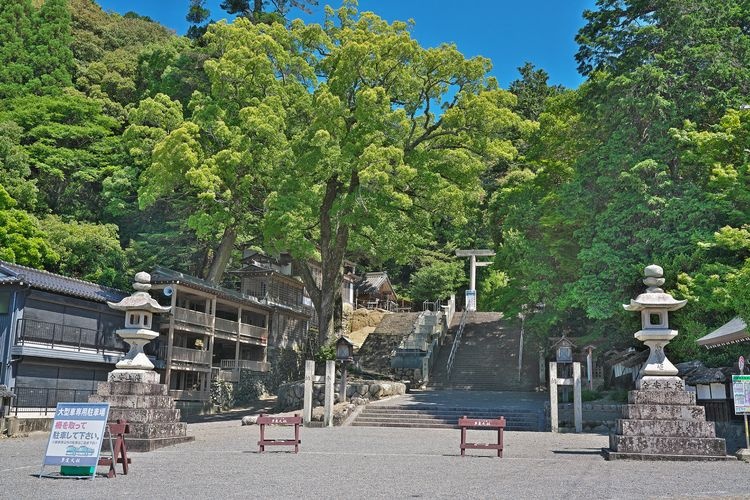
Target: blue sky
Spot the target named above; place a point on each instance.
(508, 32)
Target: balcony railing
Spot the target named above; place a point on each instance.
(192, 317)
(42, 400)
(255, 332)
(56, 335)
(185, 355)
(244, 364)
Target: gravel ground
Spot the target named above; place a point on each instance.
(362, 462)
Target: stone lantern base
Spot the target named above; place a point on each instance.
(138, 397)
(662, 422)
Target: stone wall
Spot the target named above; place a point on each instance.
(596, 417)
(291, 396)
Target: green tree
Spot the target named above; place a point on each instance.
(221, 157)
(15, 33)
(532, 91)
(396, 139)
(87, 251)
(21, 239)
(71, 147)
(257, 10)
(49, 48)
(437, 280)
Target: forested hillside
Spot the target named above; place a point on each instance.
(124, 146)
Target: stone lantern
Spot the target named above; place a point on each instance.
(654, 306)
(139, 309)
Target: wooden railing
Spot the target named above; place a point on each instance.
(244, 364)
(189, 395)
(255, 332)
(192, 317)
(184, 355)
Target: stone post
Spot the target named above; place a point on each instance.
(342, 386)
(553, 422)
(307, 408)
(577, 409)
(330, 378)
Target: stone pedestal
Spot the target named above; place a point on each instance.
(138, 397)
(662, 422)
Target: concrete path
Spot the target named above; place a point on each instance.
(364, 462)
(469, 399)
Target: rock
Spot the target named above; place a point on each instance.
(250, 419)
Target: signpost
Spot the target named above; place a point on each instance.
(76, 438)
(741, 392)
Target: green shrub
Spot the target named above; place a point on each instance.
(589, 395)
(222, 394)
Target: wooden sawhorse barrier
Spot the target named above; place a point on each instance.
(482, 423)
(264, 420)
(119, 449)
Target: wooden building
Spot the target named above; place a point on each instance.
(213, 332)
(57, 336)
(270, 281)
(374, 290)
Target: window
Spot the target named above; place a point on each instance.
(4, 302)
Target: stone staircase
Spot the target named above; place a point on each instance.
(446, 417)
(375, 353)
(487, 357)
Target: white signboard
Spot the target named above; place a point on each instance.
(77, 433)
(471, 300)
(741, 392)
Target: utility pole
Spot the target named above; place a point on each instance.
(471, 293)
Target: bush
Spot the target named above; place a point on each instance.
(589, 395)
(251, 387)
(222, 394)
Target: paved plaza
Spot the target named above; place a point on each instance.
(362, 462)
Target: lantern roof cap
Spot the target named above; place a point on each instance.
(140, 300)
(654, 297)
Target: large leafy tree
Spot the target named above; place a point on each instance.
(396, 139)
(236, 136)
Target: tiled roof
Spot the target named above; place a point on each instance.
(163, 275)
(731, 332)
(371, 282)
(43, 280)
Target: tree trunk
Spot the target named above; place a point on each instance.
(222, 255)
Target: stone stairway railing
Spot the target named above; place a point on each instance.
(456, 343)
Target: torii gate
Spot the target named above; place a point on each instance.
(471, 293)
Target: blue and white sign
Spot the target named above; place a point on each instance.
(77, 433)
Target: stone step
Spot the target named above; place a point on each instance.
(134, 401)
(511, 425)
(451, 416)
(688, 428)
(361, 423)
(146, 444)
(658, 445)
(125, 388)
(663, 412)
(661, 397)
(144, 414)
(156, 430)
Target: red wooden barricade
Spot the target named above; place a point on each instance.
(265, 420)
(120, 450)
(482, 423)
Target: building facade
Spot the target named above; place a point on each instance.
(57, 337)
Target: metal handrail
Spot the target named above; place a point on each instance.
(456, 341)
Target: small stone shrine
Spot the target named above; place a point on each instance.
(133, 389)
(661, 420)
